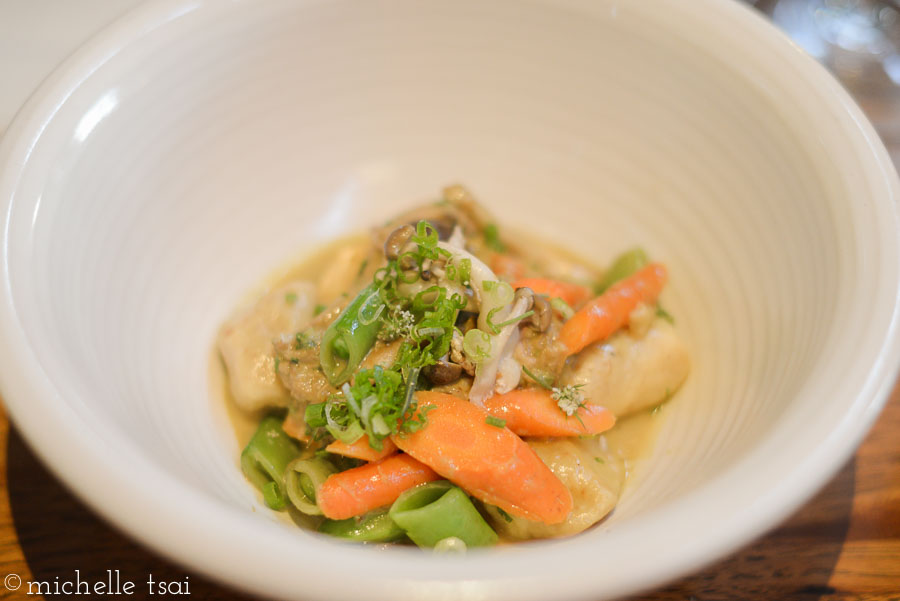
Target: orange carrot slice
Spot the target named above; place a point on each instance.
(533, 412)
(507, 267)
(573, 294)
(367, 487)
(362, 450)
(608, 312)
(295, 427)
(490, 463)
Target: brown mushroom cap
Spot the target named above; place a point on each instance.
(527, 293)
(543, 314)
(443, 372)
(396, 240)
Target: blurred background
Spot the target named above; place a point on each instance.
(859, 42)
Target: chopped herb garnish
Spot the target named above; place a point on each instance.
(381, 402)
(492, 238)
(504, 515)
(477, 345)
(277, 363)
(362, 267)
(290, 298)
(502, 324)
(304, 340)
(398, 323)
(599, 460)
(656, 409)
(542, 381)
(569, 399)
(430, 339)
(319, 309)
(377, 405)
(461, 273)
(495, 421)
(662, 313)
(417, 421)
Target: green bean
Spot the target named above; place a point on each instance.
(303, 479)
(451, 545)
(626, 264)
(350, 336)
(265, 459)
(432, 512)
(373, 527)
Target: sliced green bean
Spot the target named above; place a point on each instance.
(303, 479)
(451, 545)
(373, 527)
(350, 336)
(432, 512)
(626, 264)
(265, 459)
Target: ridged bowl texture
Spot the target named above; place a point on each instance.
(194, 146)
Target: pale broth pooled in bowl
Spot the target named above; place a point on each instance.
(439, 382)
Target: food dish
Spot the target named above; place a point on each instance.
(224, 137)
(434, 361)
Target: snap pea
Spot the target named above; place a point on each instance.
(436, 511)
(626, 264)
(303, 479)
(350, 336)
(373, 527)
(265, 459)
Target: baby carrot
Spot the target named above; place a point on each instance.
(507, 267)
(361, 489)
(489, 462)
(608, 312)
(362, 450)
(295, 427)
(534, 412)
(573, 294)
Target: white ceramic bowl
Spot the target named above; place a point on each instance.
(191, 148)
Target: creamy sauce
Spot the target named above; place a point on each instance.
(633, 438)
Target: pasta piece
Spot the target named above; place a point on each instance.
(626, 374)
(593, 477)
(344, 270)
(245, 343)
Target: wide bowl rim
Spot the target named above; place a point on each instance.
(195, 538)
